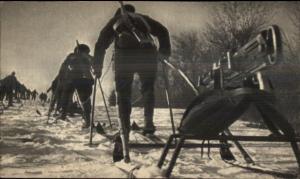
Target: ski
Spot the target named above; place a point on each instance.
(260, 169)
(127, 168)
(187, 145)
(245, 154)
(153, 138)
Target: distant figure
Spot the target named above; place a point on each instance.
(74, 75)
(43, 97)
(2, 90)
(34, 93)
(23, 92)
(28, 94)
(18, 92)
(9, 86)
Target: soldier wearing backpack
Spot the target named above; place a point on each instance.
(74, 75)
(135, 52)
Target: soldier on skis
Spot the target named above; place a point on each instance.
(9, 84)
(74, 75)
(34, 93)
(131, 56)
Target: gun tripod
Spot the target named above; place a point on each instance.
(215, 112)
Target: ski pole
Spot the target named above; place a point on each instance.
(93, 110)
(104, 101)
(182, 74)
(168, 97)
(80, 104)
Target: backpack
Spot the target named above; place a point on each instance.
(133, 31)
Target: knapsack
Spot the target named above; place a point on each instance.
(133, 32)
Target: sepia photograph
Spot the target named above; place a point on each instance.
(150, 89)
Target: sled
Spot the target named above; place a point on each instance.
(211, 114)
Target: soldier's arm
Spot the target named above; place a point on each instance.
(162, 33)
(64, 66)
(106, 37)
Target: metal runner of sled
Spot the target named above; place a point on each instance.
(232, 91)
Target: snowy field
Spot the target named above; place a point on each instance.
(31, 148)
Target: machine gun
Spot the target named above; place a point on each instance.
(210, 114)
(259, 54)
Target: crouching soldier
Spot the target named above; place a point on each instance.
(74, 75)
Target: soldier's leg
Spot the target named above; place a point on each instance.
(58, 100)
(84, 89)
(147, 75)
(123, 89)
(70, 108)
(67, 91)
(148, 100)
(10, 96)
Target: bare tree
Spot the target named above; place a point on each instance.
(187, 52)
(293, 9)
(234, 23)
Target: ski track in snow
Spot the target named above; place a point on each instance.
(31, 148)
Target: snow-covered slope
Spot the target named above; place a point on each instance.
(30, 147)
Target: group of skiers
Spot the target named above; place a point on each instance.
(134, 52)
(11, 88)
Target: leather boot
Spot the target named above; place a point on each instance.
(149, 127)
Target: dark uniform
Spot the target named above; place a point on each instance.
(9, 84)
(33, 94)
(75, 74)
(56, 90)
(43, 97)
(18, 91)
(23, 92)
(28, 94)
(131, 57)
(2, 90)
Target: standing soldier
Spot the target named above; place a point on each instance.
(33, 94)
(28, 93)
(10, 83)
(75, 74)
(133, 55)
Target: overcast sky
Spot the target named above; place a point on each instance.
(37, 36)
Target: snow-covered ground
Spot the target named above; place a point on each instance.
(30, 147)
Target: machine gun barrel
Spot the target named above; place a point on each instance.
(258, 54)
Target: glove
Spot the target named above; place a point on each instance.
(163, 57)
(97, 71)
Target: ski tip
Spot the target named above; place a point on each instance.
(99, 128)
(134, 126)
(38, 112)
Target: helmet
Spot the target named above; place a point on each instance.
(127, 7)
(82, 48)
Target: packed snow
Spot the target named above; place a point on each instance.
(30, 147)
